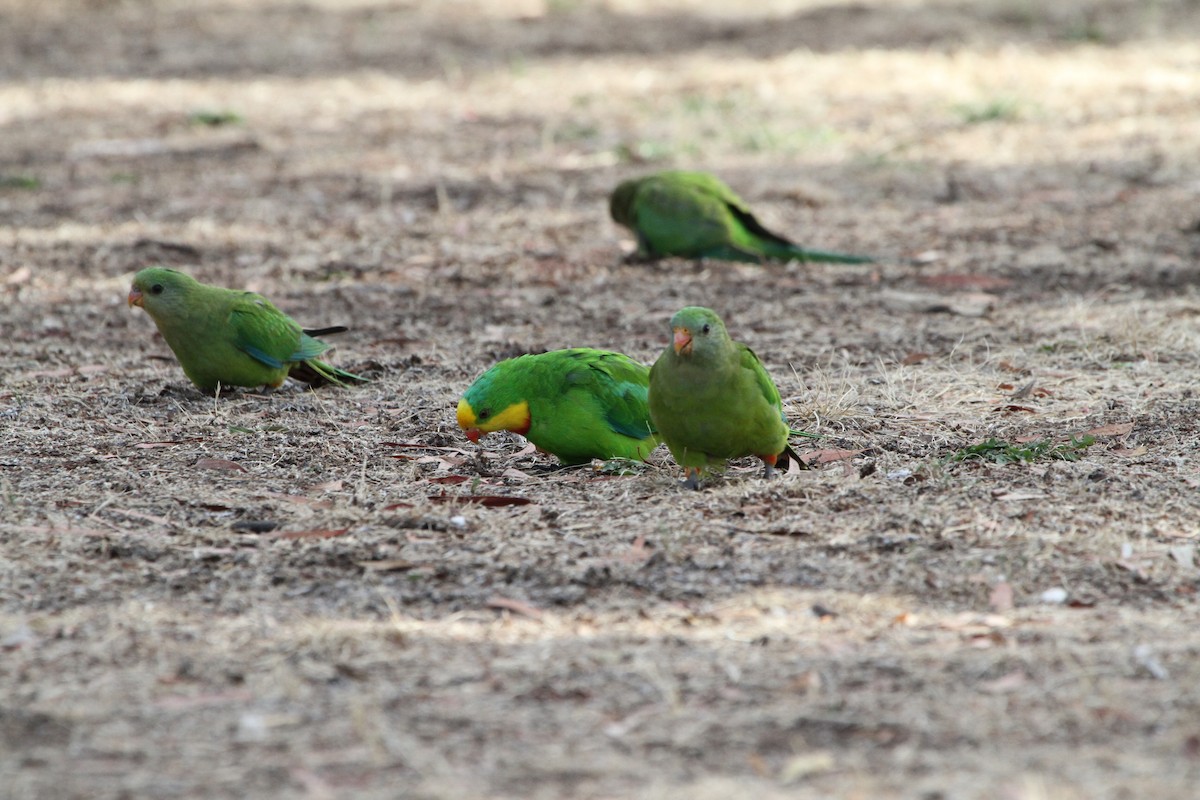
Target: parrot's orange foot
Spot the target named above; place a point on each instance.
(691, 479)
(769, 465)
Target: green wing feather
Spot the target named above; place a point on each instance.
(623, 384)
(762, 379)
(268, 335)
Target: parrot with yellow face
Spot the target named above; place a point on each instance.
(575, 404)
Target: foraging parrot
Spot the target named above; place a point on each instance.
(224, 337)
(576, 404)
(712, 400)
(695, 215)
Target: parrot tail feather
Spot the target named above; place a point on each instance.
(315, 332)
(828, 257)
(318, 373)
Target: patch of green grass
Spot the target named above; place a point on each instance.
(1001, 452)
(645, 150)
(770, 139)
(1000, 109)
(621, 466)
(576, 132)
(215, 119)
(19, 182)
(264, 429)
(1086, 31)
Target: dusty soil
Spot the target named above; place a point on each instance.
(292, 594)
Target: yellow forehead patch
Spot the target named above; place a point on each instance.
(466, 415)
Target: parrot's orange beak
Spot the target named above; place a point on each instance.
(135, 298)
(473, 434)
(683, 342)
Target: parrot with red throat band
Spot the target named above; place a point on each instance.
(575, 404)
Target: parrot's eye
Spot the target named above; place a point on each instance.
(487, 412)
(156, 289)
(706, 329)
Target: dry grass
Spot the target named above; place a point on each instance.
(435, 175)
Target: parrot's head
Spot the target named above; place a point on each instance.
(620, 204)
(159, 290)
(698, 333)
(493, 404)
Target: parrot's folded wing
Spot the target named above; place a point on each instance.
(268, 335)
(681, 220)
(762, 378)
(622, 384)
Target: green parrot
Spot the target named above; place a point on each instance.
(223, 337)
(712, 400)
(695, 215)
(576, 404)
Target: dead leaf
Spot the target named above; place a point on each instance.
(327, 533)
(914, 358)
(1184, 555)
(419, 446)
(962, 281)
(759, 765)
(311, 502)
(1001, 598)
(823, 613)
(515, 474)
(450, 479)
(828, 456)
(219, 463)
(328, 486)
(19, 275)
(806, 764)
(516, 606)
(177, 702)
(139, 515)
(486, 500)
(255, 525)
(1023, 392)
(1005, 683)
(1003, 494)
(637, 552)
(151, 445)
(386, 565)
(967, 304)
(1010, 408)
(1130, 452)
(1115, 429)
(1143, 656)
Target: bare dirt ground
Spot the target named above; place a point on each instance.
(291, 594)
